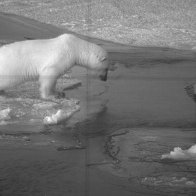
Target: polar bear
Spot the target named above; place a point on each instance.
(46, 60)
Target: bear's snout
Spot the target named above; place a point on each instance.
(103, 76)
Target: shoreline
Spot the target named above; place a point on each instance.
(168, 24)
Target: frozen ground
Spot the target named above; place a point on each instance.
(23, 104)
(136, 22)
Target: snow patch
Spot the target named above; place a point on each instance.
(168, 181)
(179, 154)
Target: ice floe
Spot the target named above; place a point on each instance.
(26, 110)
(179, 154)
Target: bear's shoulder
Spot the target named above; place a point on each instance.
(68, 41)
(67, 37)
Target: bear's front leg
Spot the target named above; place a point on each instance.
(48, 83)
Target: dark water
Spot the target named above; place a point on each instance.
(144, 102)
(148, 88)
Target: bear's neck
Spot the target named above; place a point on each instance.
(84, 50)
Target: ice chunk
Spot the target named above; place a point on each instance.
(192, 149)
(179, 154)
(60, 115)
(5, 114)
(72, 84)
(190, 183)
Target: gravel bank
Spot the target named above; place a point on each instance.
(168, 23)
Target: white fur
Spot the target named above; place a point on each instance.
(47, 60)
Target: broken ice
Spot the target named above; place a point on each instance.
(179, 154)
(60, 115)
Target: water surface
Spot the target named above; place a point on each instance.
(114, 144)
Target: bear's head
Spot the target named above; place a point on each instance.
(98, 61)
(93, 57)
